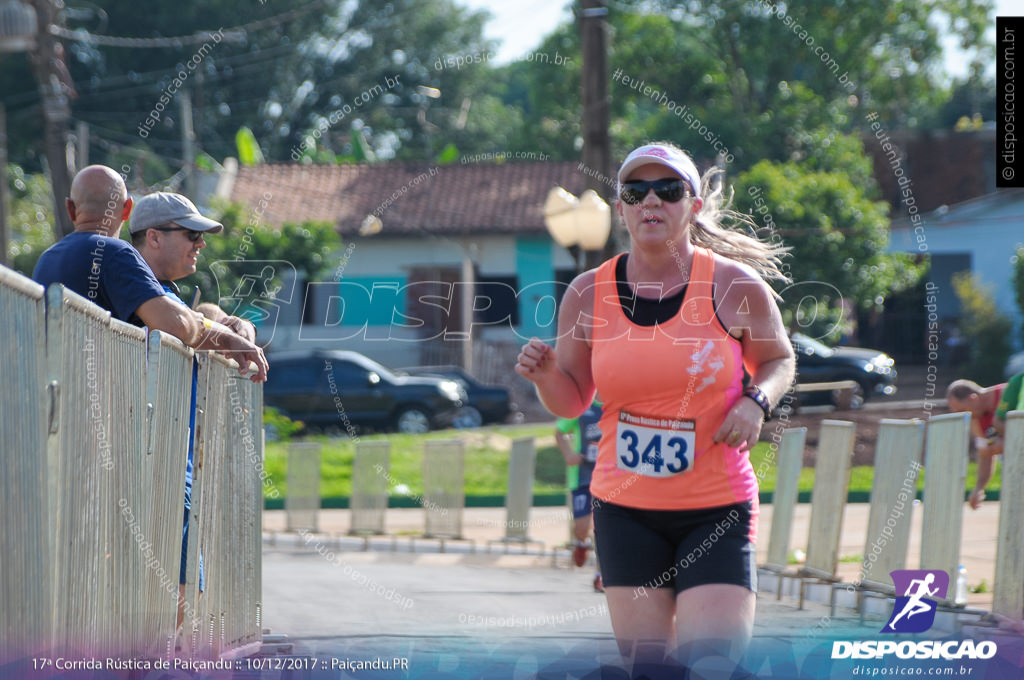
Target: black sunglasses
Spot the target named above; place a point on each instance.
(671, 190)
(192, 235)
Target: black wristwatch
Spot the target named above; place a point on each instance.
(760, 398)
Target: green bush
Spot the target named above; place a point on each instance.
(279, 426)
(986, 329)
(1018, 284)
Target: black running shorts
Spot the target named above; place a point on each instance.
(676, 549)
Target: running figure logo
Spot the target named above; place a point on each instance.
(914, 612)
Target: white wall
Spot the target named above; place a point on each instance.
(990, 229)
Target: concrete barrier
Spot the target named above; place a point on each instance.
(302, 504)
(371, 473)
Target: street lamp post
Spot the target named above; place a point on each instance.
(581, 224)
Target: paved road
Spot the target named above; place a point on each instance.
(507, 616)
(461, 614)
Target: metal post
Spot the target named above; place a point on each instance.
(596, 147)
(468, 297)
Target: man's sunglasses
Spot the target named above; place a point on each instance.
(669, 190)
(191, 235)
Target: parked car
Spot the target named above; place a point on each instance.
(337, 390)
(485, 403)
(816, 362)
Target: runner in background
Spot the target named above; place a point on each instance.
(577, 439)
(983, 403)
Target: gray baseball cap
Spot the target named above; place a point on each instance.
(161, 207)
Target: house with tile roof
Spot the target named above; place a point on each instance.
(431, 254)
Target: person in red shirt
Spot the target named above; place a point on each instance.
(982, 403)
(664, 333)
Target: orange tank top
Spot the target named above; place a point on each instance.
(666, 390)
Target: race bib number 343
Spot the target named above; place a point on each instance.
(654, 447)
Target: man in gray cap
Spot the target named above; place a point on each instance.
(93, 262)
(169, 232)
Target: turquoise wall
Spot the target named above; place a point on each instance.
(538, 314)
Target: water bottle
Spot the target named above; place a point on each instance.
(960, 598)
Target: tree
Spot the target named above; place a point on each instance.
(245, 267)
(750, 73)
(282, 75)
(31, 218)
(837, 234)
(985, 328)
(890, 54)
(1018, 283)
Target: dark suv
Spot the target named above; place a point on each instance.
(335, 390)
(872, 371)
(485, 404)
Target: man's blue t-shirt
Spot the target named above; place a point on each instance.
(105, 270)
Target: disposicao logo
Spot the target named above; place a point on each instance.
(914, 612)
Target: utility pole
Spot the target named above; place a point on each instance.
(188, 142)
(5, 231)
(56, 114)
(596, 147)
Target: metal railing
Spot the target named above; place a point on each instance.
(24, 405)
(94, 432)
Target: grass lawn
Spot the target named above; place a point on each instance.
(486, 467)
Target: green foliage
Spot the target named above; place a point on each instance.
(30, 218)
(1018, 283)
(281, 80)
(449, 154)
(248, 148)
(985, 328)
(838, 235)
(746, 72)
(749, 76)
(282, 427)
(372, 43)
(885, 56)
(147, 168)
(246, 246)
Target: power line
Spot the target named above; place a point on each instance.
(233, 33)
(244, 58)
(89, 89)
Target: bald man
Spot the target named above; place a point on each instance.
(95, 263)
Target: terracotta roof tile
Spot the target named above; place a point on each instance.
(456, 199)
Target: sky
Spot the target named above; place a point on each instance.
(520, 25)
